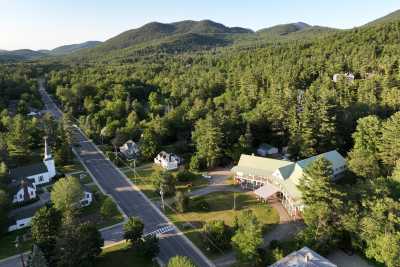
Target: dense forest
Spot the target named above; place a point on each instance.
(211, 105)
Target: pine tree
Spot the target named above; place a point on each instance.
(207, 137)
(390, 146)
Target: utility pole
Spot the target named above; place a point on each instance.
(234, 200)
(162, 198)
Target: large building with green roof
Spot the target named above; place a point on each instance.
(269, 177)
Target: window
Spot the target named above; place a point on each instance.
(41, 178)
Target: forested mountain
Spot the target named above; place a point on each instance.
(155, 31)
(20, 55)
(68, 49)
(284, 29)
(394, 16)
(26, 54)
(175, 37)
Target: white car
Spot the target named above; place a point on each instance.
(206, 176)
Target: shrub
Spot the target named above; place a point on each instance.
(219, 234)
(185, 176)
(180, 261)
(202, 205)
(108, 208)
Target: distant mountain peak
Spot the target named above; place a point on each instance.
(302, 25)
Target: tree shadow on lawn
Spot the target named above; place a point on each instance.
(122, 256)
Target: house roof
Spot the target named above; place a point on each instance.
(23, 213)
(28, 170)
(304, 257)
(333, 156)
(291, 172)
(259, 166)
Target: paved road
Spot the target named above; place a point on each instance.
(129, 198)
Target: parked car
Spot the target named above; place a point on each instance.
(206, 176)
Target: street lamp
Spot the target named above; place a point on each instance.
(17, 246)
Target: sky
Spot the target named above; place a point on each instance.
(46, 24)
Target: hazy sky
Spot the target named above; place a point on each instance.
(45, 24)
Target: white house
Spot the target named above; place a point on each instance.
(348, 76)
(22, 218)
(39, 173)
(130, 150)
(303, 258)
(269, 177)
(266, 149)
(168, 161)
(25, 191)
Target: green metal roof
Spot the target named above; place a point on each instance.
(291, 172)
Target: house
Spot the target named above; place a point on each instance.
(130, 150)
(168, 161)
(269, 177)
(266, 149)
(22, 218)
(39, 173)
(348, 76)
(25, 190)
(303, 258)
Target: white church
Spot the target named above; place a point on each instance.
(26, 178)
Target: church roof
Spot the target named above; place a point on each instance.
(28, 170)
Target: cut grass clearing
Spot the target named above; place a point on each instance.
(7, 243)
(143, 180)
(122, 256)
(75, 166)
(92, 213)
(221, 208)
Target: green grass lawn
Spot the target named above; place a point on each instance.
(75, 166)
(120, 255)
(221, 208)
(7, 244)
(92, 213)
(144, 180)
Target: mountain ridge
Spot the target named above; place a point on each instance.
(180, 36)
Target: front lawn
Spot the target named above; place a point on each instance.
(74, 166)
(92, 212)
(220, 208)
(143, 180)
(120, 255)
(7, 243)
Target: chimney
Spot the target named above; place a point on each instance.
(307, 257)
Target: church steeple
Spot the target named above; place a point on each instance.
(47, 154)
